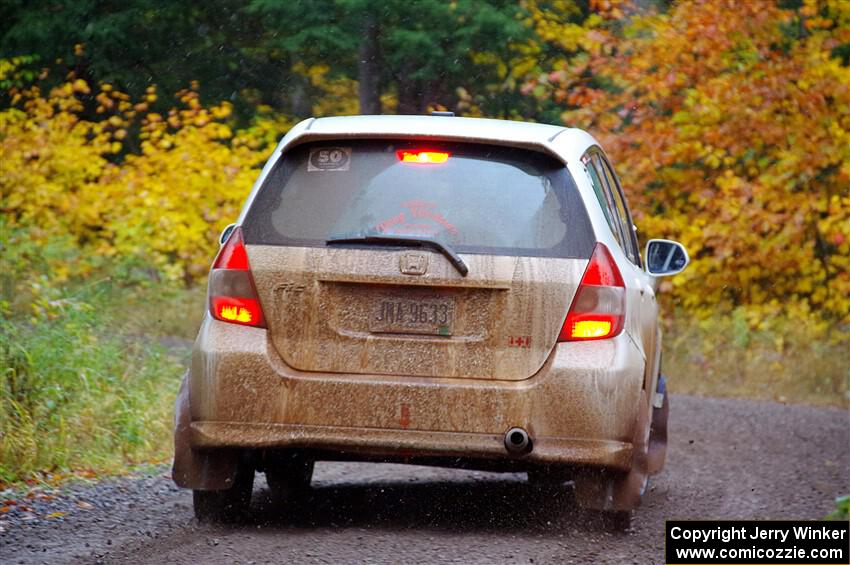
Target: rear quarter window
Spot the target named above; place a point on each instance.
(480, 199)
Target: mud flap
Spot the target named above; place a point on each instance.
(197, 469)
(608, 490)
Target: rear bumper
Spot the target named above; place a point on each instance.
(579, 408)
(418, 443)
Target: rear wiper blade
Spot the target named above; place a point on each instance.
(418, 240)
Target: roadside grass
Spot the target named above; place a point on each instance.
(788, 362)
(166, 312)
(90, 373)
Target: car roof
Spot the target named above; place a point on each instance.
(502, 132)
(559, 141)
(433, 126)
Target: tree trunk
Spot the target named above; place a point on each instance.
(434, 94)
(409, 96)
(369, 67)
(299, 96)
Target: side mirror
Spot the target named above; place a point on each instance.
(225, 233)
(665, 257)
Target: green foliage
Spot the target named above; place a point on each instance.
(17, 72)
(842, 509)
(87, 378)
(426, 50)
(77, 394)
(137, 43)
(467, 54)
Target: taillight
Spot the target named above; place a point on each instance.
(598, 310)
(232, 295)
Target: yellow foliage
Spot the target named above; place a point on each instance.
(63, 177)
(338, 94)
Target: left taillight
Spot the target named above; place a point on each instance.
(232, 294)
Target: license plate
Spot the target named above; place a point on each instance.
(429, 316)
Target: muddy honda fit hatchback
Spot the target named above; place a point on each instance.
(429, 290)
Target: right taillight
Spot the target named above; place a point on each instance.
(232, 296)
(598, 310)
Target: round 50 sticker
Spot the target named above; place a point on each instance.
(329, 159)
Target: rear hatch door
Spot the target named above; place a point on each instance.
(341, 244)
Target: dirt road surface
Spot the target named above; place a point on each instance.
(728, 459)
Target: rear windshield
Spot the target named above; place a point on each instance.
(475, 198)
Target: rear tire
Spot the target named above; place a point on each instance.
(615, 492)
(546, 477)
(658, 431)
(226, 505)
(618, 522)
(289, 476)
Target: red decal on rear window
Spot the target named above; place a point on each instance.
(394, 221)
(431, 222)
(424, 209)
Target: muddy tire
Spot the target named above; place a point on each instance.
(614, 492)
(618, 521)
(226, 505)
(289, 477)
(658, 431)
(547, 477)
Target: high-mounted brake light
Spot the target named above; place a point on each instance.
(232, 295)
(598, 310)
(422, 157)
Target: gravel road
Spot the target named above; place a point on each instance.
(728, 458)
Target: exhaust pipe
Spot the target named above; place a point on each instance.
(517, 441)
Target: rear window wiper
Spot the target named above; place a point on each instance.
(417, 240)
